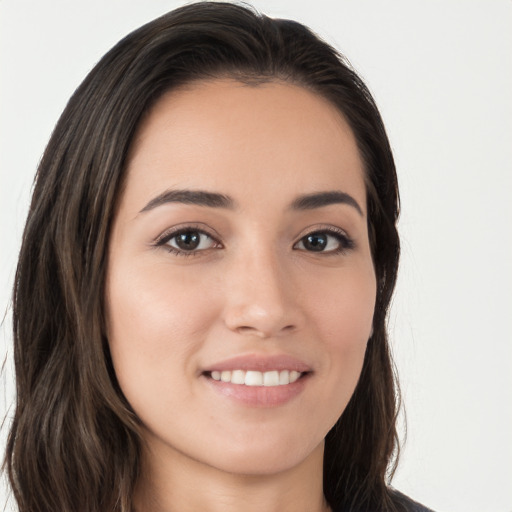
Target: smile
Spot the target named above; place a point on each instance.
(256, 378)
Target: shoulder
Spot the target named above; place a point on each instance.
(406, 503)
(401, 502)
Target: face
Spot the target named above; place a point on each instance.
(240, 287)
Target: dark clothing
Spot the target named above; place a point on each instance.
(408, 504)
(403, 502)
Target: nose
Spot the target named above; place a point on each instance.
(261, 299)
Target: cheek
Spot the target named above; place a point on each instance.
(155, 325)
(344, 307)
(342, 311)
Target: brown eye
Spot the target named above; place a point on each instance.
(325, 241)
(315, 242)
(189, 240)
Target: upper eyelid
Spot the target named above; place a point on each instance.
(323, 228)
(343, 237)
(168, 234)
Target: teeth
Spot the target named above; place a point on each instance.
(294, 376)
(254, 378)
(271, 379)
(238, 377)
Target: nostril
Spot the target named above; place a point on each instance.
(263, 333)
(268, 321)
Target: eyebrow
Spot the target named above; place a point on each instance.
(319, 199)
(216, 200)
(196, 197)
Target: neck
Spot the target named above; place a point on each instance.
(179, 484)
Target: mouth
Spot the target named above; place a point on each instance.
(258, 380)
(270, 378)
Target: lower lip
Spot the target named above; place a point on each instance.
(259, 396)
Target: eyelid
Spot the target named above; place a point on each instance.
(170, 233)
(328, 228)
(346, 241)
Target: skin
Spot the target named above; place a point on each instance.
(252, 288)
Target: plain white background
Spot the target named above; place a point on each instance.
(441, 72)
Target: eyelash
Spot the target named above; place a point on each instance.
(165, 238)
(345, 242)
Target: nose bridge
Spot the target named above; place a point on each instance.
(260, 298)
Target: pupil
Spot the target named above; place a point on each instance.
(315, 242)
(188, 240)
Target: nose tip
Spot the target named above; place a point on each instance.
(263, 306)
(262, 322)
(259, 322)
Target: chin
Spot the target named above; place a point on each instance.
(260, 459)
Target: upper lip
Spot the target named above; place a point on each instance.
(259, 362)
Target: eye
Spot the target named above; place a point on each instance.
(327, 241)
(187, 241)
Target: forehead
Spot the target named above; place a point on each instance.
(234, 138)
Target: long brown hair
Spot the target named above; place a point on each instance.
(75, 442)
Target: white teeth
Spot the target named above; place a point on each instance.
(255, 378)
(294, 376)
(284, 377)
(271, 379)
(238, 377)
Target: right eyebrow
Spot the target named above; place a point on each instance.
(320, 199)
(196, 197)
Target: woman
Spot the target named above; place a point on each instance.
(201, 296)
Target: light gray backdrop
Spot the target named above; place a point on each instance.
(441, 72)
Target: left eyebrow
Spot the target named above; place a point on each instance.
(320, 199)
(197, 197)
